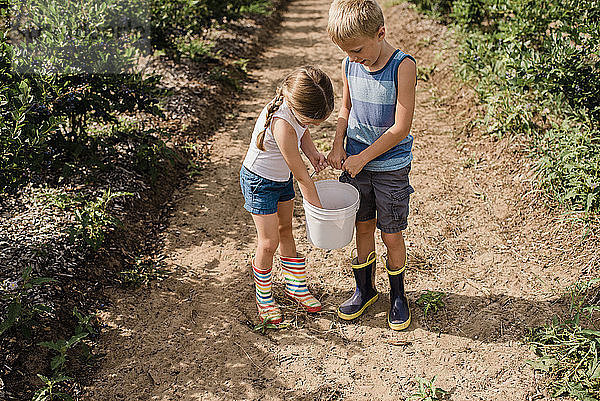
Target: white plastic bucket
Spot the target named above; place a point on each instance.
(332, 227)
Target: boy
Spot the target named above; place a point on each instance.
(375, 119)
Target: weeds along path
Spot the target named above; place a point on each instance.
(472, 234)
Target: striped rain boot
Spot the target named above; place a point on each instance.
(365, 293)
(267, 308)
(399, 315)
(294, 272)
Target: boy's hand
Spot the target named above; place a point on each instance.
(318, 162)
(353, 165)
(336, 157)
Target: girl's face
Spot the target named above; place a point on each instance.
(307, 122)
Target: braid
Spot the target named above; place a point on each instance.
(272, 108)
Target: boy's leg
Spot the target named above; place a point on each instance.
(399, 315)
(363, 266)
(365, 238)
(392, 197)
(396, 250)
(268, 240)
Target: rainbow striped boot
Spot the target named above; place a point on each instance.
(294, 272)
(267, 308)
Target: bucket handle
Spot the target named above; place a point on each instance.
(314, 172)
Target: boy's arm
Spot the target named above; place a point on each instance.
(315, 157)
(337, 155)
(287, 141)
(405, 106)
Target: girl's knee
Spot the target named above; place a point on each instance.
(285, 229)
(268, 245)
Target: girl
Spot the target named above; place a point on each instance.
(304, 98)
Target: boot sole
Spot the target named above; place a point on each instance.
(398, 326)
(309, 309)
(353, 316)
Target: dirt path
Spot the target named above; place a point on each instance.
(472, 234)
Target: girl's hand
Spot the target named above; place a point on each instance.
(318, 162)
(353, 165)
(336, 157)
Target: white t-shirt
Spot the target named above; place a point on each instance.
(270, 163)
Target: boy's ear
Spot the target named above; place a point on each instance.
(381, 33)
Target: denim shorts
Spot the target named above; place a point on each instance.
(385, 195)
(261, 195)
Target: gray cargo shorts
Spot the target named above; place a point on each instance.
(383, 195)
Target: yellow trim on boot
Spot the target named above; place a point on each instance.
(368, 262)
(393, 272)
(360, 312)
(398, 326)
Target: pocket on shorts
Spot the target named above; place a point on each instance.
(400, 200)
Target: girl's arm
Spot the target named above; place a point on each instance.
(337, 155)
(310, 150)
(405, 106)
(286, 139)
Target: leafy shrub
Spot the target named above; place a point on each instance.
(56, 78)
(173, 19)
(536, 65)
(21, 310)
(568, 350)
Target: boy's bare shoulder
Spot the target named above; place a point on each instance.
(407, 68)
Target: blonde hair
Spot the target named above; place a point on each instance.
(309, 94)
(349, 19)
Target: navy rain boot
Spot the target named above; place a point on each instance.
(399, 314)
(365, 293)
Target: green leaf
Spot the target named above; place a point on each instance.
(58, 361)
(52, 345)
(42, 308)
(27, 273)
(75, 339)
(44, 378)
(14, 312)
(41, 394)
(64, 396)
(42, 280)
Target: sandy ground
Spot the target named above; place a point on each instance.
(476, 232)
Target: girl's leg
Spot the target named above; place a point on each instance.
(268, 240)
(293, 266)
(365, 239)
(287, 245)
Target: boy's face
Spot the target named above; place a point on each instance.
(364, 50)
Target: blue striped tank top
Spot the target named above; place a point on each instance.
(373, 96)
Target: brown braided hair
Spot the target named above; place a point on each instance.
(308, 92)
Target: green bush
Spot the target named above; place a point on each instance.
(536, 66)
(173, 19)
(61, 68)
